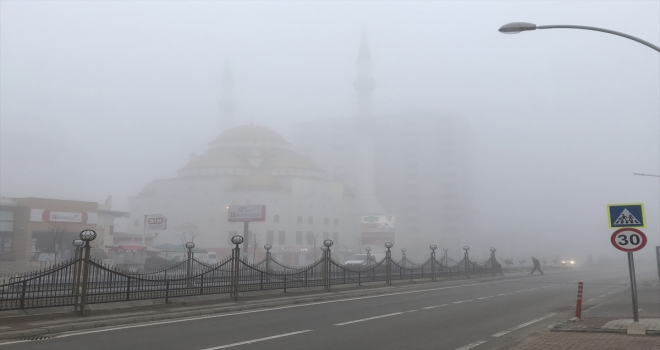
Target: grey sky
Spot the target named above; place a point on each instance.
(100, 98)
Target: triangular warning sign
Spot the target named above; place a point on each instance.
(626, 218)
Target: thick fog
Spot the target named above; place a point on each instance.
(101, 98)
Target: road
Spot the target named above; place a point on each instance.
(461, 314)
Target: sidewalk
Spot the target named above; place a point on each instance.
(603, 325)
(612, 312)
(589, 341)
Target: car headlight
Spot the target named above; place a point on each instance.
(572, 262)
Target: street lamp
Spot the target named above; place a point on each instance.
(517, 27)
(86, 236)
(328, 243)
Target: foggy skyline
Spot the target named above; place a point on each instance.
(100, 99)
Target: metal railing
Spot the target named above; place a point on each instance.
(83, 280)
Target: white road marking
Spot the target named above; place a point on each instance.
(434, 306)
(471, 345)
(491, 296)
(412, 311)
(286, 307)
(368, 319)
(462, 301)
(257, 340)
(497, 335)
(531, 322)
(14, 342)
(499, 295)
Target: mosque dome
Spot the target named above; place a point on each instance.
(257, 180)
(151, 189)
(219, 158)
(250, 136)
(288, 160)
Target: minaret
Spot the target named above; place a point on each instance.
(366, 201)
(227, 104)
(364, 82)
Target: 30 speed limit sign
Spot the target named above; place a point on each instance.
(628, 239)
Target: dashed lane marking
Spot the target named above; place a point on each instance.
(497, 335)
(471, 345)
(368, 319)
(434, 306)
(257, 340)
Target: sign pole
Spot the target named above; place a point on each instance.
(247, 240)
(633, 286)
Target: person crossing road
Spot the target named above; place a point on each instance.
(537, 266)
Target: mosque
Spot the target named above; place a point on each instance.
(350, 187)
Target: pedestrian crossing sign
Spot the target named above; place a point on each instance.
(626, 215)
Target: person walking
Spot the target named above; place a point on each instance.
(537, 266)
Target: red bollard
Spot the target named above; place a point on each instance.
(578, 305)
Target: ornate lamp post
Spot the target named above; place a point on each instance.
(268, 248)
(403, 257)
(388, 261)
(433, 248)
(445, 257)
(86, 236)
(466, 259)
(328, 258)
(78, 243)
(368, 249)
(236, 255)
(190, 246)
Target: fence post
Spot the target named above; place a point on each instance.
(236, 253)
(493, 261)
(285, 283)
(128, 289)
(403, 257)
(324, 264)
(23, 290)
(167, 292)
(433, 248)
(268, 247)
(76, 273)
(388, 263)
(87, 236)
(189, 246)
(467, 261)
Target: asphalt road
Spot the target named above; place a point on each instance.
(461, 314)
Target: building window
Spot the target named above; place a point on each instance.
(300, 219)
(310, 220)
(335, 237)
(269, 236)
(326, 235)
(336, 221)
(310, 238)
(326, 221)
(299, 237)
(6, 221)
(276, 218)
(281, 238)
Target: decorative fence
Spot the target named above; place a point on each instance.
(82, 280)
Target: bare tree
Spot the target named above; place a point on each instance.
(255, 243)
(58, 231)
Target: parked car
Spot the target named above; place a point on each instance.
(360, 260)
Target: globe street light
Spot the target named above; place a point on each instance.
(517, 27)
(328, 243)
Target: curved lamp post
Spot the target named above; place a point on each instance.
(236, 256)
(86, 236)
(517, 27)
(189, 246)
(268, 248)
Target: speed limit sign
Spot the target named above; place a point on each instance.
(628, 239)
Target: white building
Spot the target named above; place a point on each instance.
(250, 164)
